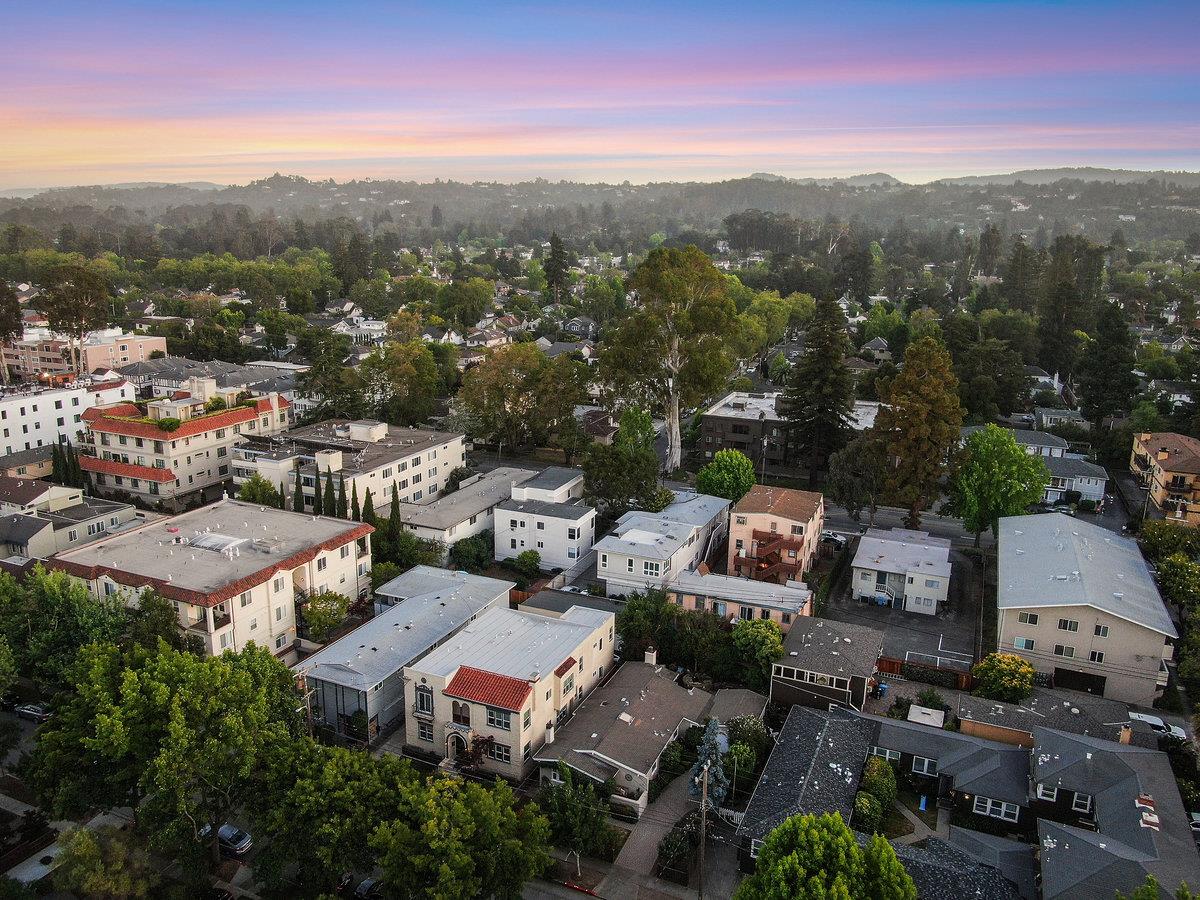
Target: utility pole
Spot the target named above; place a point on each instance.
(703, 822)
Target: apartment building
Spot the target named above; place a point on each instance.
(167, 374)
(235, 571)
(649, 550)
(36, 462)
(369, 456)
(468, 511)
(357, 682)
(826, 663)
(774, 532)
(1168, 466)
(736, 599)
(41, 532)
(40, 352)
(546, 514)
(1078, 602)
(496, 691)
(32, 418)
(904, 568)
(174, 451)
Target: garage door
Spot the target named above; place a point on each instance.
(1079, 681)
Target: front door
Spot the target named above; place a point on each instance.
(456, 746)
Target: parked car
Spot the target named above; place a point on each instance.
(368, 888)
(34, 712)
(1161, 727)
(832, 537)
(233, 841)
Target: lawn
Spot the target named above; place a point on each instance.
(912, 801)
(894, 824)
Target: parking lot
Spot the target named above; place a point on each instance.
(948, 639)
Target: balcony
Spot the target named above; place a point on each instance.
(218, 622)
(770, 542)
(421, 713)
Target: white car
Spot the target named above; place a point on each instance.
(1161, 727)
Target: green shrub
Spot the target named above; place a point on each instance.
(1003, 676)
(879, 780)
(867, 812)
(926, 675)
(170, 423)
(932, 699)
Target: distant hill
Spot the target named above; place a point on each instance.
(875, 178)
(1081, 173)
(25, 193)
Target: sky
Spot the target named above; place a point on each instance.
(98, 93)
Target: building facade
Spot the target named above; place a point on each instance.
(902, 568)
(774, 533)
(546, 514)
(39, 418)
(1168, 466)
(41, 352)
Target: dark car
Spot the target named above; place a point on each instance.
(233, 841)
(368, 888)
(34, 712)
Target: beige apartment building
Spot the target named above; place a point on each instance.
(774, 532)
(41, 352)
(1078, 602)
(172, 451)
(369, 456)
(501, 685)
(237, 572)
(1168, 466)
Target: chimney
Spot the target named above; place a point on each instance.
(550, 732)
(651, 656)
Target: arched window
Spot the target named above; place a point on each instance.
(461, 713)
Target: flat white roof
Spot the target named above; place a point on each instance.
(901, 551)
(791, 597)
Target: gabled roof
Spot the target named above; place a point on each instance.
(489, 688)
(1183, 451)
(21, 491)
(787, 503)
(1055, 560)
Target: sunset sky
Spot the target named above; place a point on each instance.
(94, 93)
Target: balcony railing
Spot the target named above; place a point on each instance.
(218, 623)
(773, 542)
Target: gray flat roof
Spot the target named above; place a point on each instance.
(645, 534)
(469, 500)
(901, 550)
(401, 633)
(742, 405)
(792, 597)
(1055, 560)
(694, 509)
(357, 456)
(443, 584)
(553, 478)
(1025, 437)
(256, 538)
(507, 642)
(561, 601)
(572, 512)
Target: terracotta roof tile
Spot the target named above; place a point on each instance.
(130, 470)
(488, 688)
(798, 506)
(111, 419)
(566, 666)
(1183, 452)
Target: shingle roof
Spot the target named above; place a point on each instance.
(488, 688)
(1183, 451)
(832, 648)
(21, 491)
(18, 528)
(941, 871)
(1025, 437)
(1055, 560)
(1069, 467)
(798, 506)
(814, 767)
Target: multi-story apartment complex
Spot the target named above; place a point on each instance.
(39, 518)
(40, 417)
(40, 352)
(496, 690)
(774, 532)
(546, 514)
(369, 456)
(167, 374)
(175, 450)
(237, 572)
(1078, 602)
(1168, 466)
(737, 599)
(904, 568)
(649, 550)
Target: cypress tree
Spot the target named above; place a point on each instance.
(298, 494)
(74, 469)
(329, 501)
(393, 525)
(368, 510)
(355, 511)
(318, 507)
(56, 463)
(819, 401)
(282, 496)
(342, 509)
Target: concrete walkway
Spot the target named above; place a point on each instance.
(920, 829)
(641, 849)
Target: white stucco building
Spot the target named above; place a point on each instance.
(546, 514)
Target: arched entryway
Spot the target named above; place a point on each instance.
(456, 746)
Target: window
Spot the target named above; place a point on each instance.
(755, 846)
(526, 718)
(997, 809)
(924, 766)
(1101, 631)
(72, 535)
(572, 533)
(425, 732)
(322, 563)
(279, 614)
(244, 599)
(629, 564)
(787, 619)
(1068, 625)
(253, 624)
(277, 584)
(932, 583)
(650, 568)
(885, 753)
(345, 551)
(1096, 656)
(604, 560)
(572, 552)
(1026, 618)
(460, 713)
(1082, 803)
(541, 526)
(500, 752)
(280, 641)
(1023, 644)
(1047, 793)
(569, 683)
(424, 699)
(499, 718)
(741, 520)
(1063, 650)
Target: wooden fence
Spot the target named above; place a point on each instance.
(938, 676)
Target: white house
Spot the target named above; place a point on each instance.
(546, 514)
(467, 511)
(649, 550)
(1069, 474)
(904, 568)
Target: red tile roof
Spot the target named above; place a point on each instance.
(115, 420)
(566, 666)
(488, 688)
(130, 470)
